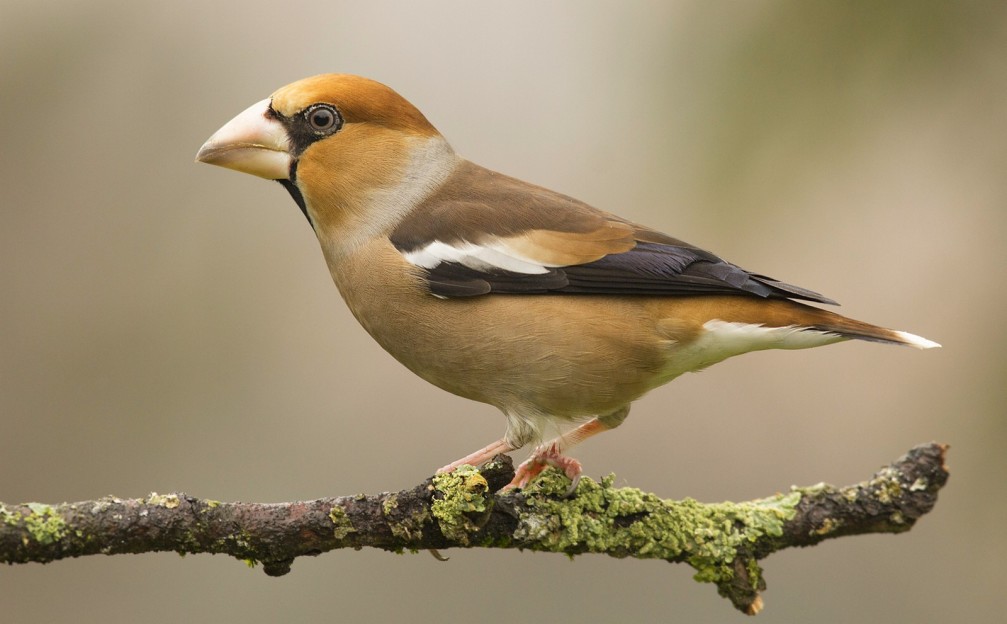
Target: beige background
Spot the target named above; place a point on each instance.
(172, 326)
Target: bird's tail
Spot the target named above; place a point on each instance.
(816, 319)
(873, 333)
(788, 324)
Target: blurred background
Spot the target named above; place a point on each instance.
(170, 326)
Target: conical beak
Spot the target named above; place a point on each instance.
(254, 142)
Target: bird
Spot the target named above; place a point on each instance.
(557, 313)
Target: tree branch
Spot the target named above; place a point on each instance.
(723, 541)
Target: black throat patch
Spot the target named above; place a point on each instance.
(291, 185)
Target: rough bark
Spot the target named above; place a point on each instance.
(724, 542)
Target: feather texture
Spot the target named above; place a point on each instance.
(494, 234)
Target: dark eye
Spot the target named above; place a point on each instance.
(323, 118)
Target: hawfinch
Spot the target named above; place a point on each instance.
(501, 291)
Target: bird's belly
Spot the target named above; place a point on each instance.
(566, 356)
(520, 353)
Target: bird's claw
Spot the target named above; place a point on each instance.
(542, 457)
(437, 555)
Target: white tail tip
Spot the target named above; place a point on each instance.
(916, 341)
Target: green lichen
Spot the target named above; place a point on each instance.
(168, 501)
(404, 524)
(462, 492)
(44, 524)
(828, 526)
(390, 504)
(625, 521)
(819, 488)
(886, 485)
(343, 525)
(101, 505)
(8, 517)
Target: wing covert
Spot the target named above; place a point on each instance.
(495, 234)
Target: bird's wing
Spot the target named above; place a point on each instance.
(493, 234)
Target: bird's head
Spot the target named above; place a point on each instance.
(346, 147)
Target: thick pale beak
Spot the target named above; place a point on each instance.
(253, 142)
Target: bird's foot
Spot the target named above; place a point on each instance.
(548, 455)
(478, 458)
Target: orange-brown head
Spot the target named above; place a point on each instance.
(344, 146)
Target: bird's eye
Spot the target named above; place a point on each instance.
(323, 118)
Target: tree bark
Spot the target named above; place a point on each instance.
(724, 542)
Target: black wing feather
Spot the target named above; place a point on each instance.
(647, 269)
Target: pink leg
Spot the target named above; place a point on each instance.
(480, 457)
(551, 453)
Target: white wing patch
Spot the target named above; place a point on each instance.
(480, 257)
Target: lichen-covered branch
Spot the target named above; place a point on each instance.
(724, 542)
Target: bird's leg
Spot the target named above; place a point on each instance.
(551, 453)
(481, 456)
